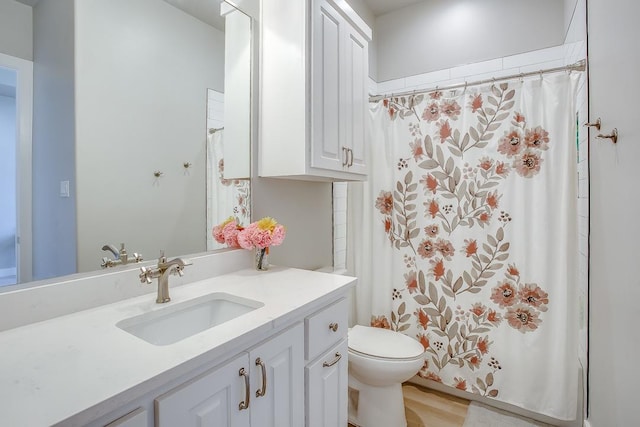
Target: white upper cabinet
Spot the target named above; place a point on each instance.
(313, 82)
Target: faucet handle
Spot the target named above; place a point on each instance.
(106, 262)
(137, 257)
(144, 275)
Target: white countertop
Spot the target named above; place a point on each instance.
(83, 366)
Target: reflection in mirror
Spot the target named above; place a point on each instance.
(228, 120)
(225, 197)
(119, 108)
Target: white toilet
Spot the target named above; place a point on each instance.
(379, 361)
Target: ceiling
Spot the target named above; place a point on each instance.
(380, 7)
(208, 11)
(28, 2)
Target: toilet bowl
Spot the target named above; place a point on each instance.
(379, 361)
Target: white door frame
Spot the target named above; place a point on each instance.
(24, 120)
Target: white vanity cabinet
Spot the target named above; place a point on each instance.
(277, 384)
(313, 103)
(326, 372)
(214, 398)
(262, 387)
(124, 380)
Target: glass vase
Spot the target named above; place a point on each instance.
(262, 259)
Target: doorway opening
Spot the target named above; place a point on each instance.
(16, 118)
(8, 183)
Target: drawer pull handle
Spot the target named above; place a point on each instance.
(350, 158)
(263, 390)
(333, 362)
(333, 327)
(345, 156)
(245, 403)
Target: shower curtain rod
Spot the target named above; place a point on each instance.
(578, 66)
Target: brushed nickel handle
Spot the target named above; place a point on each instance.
(333, 326)
(245, 403)
(333, 362)
(350, 157)
(263, 390)
(595, 124)
(345, 156)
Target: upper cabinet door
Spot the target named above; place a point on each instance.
(328, 93)
(356, 100)
(212, 399)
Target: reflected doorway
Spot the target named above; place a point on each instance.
(8, 183)
(16, 118)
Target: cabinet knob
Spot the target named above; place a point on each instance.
(333, 327)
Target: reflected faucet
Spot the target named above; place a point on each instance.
(162, 272)
(119, 257)
(111, 249)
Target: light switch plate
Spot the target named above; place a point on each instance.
(64, 188)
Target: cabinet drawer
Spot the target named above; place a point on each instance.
(327, 384)
(325, 328)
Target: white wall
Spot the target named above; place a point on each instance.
(16, 29)
(614, 61)
(7, 182)
(575, 49)
(434, 35)
(151, 83)
(54, 218)
(363, 10)
(305, 208)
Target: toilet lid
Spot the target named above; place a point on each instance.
(383, 343)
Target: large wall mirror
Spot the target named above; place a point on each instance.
(142, 111)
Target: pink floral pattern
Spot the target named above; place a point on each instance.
(460, 202)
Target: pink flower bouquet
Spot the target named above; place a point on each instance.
(227, 232)
(261, 234)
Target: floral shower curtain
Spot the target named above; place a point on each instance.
(465, 237)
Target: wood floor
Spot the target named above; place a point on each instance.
(429, 408)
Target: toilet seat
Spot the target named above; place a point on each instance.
(383, 344)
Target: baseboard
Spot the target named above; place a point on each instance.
(4, 272)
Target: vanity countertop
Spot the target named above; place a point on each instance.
(81, 366)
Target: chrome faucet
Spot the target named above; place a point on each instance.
(119, 257)
(162, 272)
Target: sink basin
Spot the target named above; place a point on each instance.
(177, 322)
